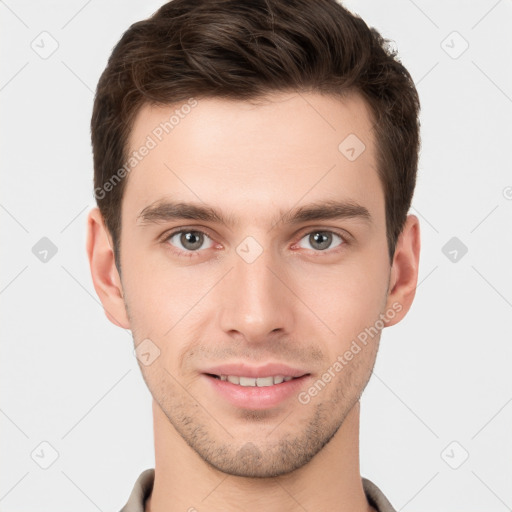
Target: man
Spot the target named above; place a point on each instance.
(254, 166)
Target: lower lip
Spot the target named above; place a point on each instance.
(254, 397)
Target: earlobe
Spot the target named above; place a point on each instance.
(404, 271)
(105, 276)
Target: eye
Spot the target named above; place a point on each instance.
(190, 240)
(320, 240)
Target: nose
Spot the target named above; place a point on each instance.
(255, 301)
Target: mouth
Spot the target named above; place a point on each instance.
(260, 382)
(256, 393)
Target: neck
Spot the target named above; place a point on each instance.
(184, 481)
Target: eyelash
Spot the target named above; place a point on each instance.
(191, 254)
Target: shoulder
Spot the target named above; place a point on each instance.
(376, 497)
(141, 490)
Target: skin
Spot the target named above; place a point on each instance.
(294, 304)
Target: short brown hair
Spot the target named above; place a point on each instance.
(243, 50)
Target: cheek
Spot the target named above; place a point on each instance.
(147, 293)
(348, 298)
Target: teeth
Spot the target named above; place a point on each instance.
(255, 382)
(248, 381)
(266, 381)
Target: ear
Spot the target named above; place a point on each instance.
(105, 276)
(404, 271)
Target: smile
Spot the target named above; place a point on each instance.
(253, 381)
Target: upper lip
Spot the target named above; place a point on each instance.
(245, 370)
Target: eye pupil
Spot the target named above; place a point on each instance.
(321, 238)
(191, 240)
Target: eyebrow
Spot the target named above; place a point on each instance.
(165, 211)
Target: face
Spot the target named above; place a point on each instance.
(274, 277)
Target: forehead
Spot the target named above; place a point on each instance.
(246, 157)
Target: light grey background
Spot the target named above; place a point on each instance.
(441, 389)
